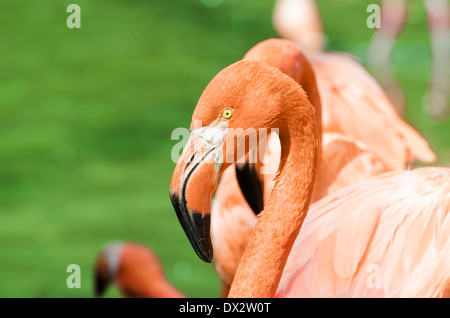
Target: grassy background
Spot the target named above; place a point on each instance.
(86, 117)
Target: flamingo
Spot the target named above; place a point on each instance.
(386, 216)
(393, 17)
(300, 21)
(344, 160)
(355, 107)
(136, 271)
(358, 107)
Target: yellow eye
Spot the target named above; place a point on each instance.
(227, 113)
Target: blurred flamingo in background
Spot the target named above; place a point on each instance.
(398, 222)
(300, 21)
(343, 84)
(344, 160)
(134, 269)
(355, 105)
(393, 20)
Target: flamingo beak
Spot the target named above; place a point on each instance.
(102, 278)
(194, 181)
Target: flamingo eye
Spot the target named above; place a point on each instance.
(227, 113)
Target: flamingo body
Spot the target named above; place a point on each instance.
(343, 162)
(388, 236)
(348, 100)
(356, 106)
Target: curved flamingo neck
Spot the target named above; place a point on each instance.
(140, 274)
(262, 264)
(309, 84)
(146, 285)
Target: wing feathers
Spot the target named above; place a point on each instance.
(385, 237)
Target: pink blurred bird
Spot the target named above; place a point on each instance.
(300, 21)
(393, 21)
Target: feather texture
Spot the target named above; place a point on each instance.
(385, 237)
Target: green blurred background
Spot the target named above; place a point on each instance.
(86, 117)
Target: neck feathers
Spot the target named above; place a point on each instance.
(262, 264)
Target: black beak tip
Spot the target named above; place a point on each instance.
(204, 253)
(197, 228)
(99, 293)
(201, 240)
(101, 284)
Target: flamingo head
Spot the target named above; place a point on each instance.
(106, 268)
(240, 103)
(283, 54)
(133, 268)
